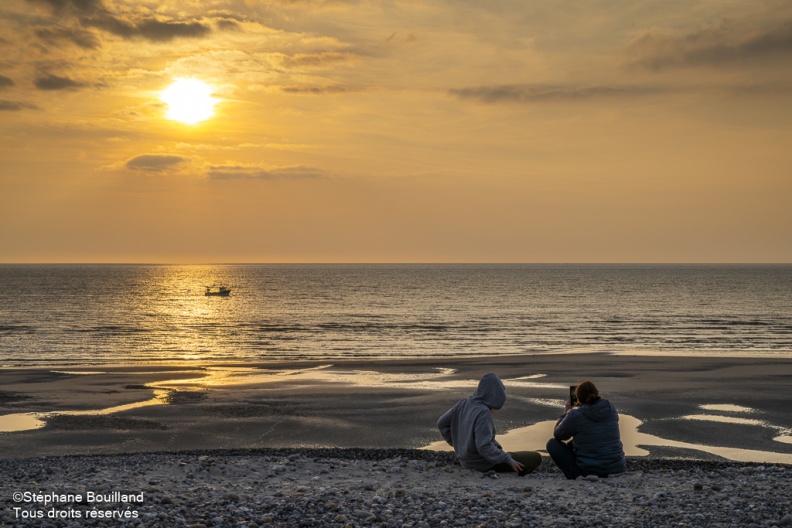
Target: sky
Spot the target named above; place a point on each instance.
(397, 131)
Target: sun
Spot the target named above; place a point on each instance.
(189, 101)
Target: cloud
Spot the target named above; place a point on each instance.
(95, 14)
(526, 93)
(81, 6)
(318, 89)
(80, 37)
(5, 82)
(149, 29)
(154, 162)
(227, 24)
(53, 82)
(14, 106)
(328, 58)
(246, 172)
(726, 44)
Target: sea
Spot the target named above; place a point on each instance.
(133, 314)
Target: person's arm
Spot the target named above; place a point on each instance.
(487, 447)
(565, 426)
(444, 424)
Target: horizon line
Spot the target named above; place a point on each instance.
(395, 263)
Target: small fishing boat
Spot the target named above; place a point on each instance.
(218, 291)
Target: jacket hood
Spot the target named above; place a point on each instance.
(598, 411)
(490, 391)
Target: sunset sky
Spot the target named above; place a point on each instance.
(397, 131)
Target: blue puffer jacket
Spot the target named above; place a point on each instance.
(595, 432)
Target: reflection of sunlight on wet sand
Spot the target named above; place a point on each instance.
(633, 438)
(433, 380)
(232, 376)
(534, 438)
(544, 402)
(10, 423)
(218, 377)
(533, 384)
(235, 376)
(724, 419)
(158, 399)
(530, 438)
(79, 372)
(221, 377)
(727, 407)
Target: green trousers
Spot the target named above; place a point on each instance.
(529, 459)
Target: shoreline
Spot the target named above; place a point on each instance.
(378, 359)
(678, 404)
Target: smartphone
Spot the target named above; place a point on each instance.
(572, 396)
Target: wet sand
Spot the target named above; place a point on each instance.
(699, 407)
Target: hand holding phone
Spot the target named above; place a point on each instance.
(572, 396)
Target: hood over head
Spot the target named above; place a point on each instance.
(490, 391)
(598, 411)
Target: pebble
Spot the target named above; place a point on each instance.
(363, 514)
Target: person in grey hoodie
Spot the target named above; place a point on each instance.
(469, 428)
(593, 425)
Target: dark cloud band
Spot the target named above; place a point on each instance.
(95, 14)
(54, 82)
(81, 6)
(236, 172)
(80, 37)
(716, 47)
(154, 162)
(149, 29)
(15, 106)
(520, 93)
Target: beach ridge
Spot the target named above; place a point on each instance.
(379, 487)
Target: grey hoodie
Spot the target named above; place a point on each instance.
(595, 432)
(468, 426)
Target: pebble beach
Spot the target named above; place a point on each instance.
(379, 488)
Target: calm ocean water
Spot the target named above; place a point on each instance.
(109, 314)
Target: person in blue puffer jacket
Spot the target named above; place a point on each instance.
(593, 426)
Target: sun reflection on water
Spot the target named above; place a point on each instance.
(196, 327)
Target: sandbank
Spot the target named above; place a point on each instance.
(704, 408)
